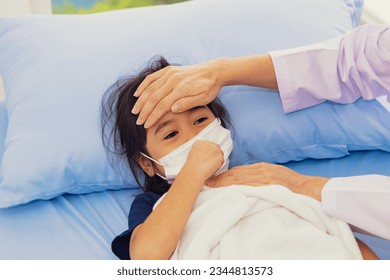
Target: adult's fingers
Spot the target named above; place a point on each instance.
(189, 102)
(177, 96)
(231, 177)
(151, 101)
(152, 93)
(149, 80)
(243, 175)
(192, 86)
(156, 113)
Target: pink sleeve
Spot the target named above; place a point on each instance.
(342, 70)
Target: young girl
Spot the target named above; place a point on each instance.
(175, 157)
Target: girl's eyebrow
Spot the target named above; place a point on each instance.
(167, 122)
(162, 125)
(196, 108)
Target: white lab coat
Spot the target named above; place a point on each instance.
(361, 201)
(356, 65)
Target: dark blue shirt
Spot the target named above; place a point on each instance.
(140, 209)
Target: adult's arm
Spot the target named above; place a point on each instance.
(355, 65)
(179, 88)
(361, 201)
(343, 70)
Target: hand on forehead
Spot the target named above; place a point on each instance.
(176, 89)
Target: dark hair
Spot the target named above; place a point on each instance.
(122, 138)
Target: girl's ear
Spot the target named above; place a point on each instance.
(146, 165)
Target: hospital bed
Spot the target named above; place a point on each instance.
(60, 197)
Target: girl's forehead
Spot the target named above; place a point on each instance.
(171, 117)
(185, 114)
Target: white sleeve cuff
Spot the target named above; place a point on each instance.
(361, 201)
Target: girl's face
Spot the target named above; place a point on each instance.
(172, 131)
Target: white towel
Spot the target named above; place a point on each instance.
(242, 222)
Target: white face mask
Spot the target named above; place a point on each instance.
(174, 161)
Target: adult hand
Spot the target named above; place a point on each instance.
(176, 89)
(180, 88)
(261, 174)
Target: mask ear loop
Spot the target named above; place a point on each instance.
(152, 159)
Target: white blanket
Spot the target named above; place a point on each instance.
(242, 222)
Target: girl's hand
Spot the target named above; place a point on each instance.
(270, 174)
(158, 236)
(176, 88)
(204, 159)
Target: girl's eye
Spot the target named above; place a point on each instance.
(200, 120)
(171, 135)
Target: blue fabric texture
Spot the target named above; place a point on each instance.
(3, 127)
(56, 68)
(262, 132)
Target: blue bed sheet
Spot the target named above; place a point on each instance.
(68, 227)
(82, 226)
(3, 127)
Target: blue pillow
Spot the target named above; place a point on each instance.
(56, 68)
(3, 127)
(264, 133)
